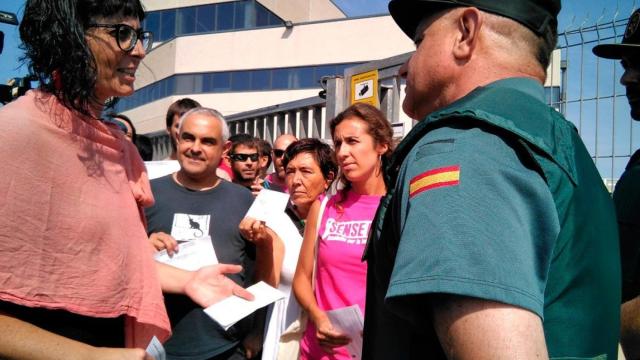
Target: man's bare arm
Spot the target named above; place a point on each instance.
(630, 328)
(471, 328)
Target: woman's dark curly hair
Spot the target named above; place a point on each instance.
(53, 36)
(321, 152)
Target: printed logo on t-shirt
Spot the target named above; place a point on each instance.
(350, 232)
(189, 227)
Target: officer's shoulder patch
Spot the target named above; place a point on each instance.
(434, 178)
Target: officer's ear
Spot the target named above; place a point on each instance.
(469, 23)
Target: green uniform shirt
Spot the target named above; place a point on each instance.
(494, 197)
(627, 200)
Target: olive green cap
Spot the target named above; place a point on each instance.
(537, 15)
(630, 42)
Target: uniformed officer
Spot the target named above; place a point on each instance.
(497, 239)
(627, 193)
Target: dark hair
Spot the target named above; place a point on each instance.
(243, 139)
(53, 39)
(321, 152)
(377, 126)
(145, 147)
(179, 107)
(125, 118)
(546, 44)
(264, 148)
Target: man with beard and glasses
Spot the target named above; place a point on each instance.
(626, 196)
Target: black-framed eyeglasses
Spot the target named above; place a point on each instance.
(127, 37)
(243, 157)
(278, 153)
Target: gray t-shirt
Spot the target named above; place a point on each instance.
(216, 212)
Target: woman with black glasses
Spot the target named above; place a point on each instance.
(78, 278)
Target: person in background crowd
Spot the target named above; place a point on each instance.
(311, 168)
(276, 180)
(626, 196)
(78, 279)
(142, 143)
(265, 158)
(172, 119)
(124, 123)
(496, 239)
(245, 161)
(362, 138)
(193, 203)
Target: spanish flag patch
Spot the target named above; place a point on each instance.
(435, 178)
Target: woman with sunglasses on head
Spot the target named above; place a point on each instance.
(330, 273)
(310, 168)
(78, 279)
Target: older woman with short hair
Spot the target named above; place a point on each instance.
(310, 167)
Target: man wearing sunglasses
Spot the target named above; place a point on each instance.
(275, 180)
(244, 156)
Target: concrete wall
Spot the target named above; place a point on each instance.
(151, 117)
(341, 41)
(303, 10)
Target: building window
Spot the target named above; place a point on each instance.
(304, 77)
(234, 15)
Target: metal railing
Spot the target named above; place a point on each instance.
(587, 92)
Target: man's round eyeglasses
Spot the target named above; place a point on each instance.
(127, 37)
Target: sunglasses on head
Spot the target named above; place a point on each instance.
(243, 157)
(278, 153)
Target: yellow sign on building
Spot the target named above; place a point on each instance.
(364, 88)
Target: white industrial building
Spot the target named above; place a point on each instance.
(241, 55)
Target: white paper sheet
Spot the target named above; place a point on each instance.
(233, 309)
(156, 349)
(191, 255)
(349, 321)
(282, 225)
(267, 203)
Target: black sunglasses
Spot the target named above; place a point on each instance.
(278, 153)
(127, 37)
(243, 157)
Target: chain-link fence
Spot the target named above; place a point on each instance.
(592, 98)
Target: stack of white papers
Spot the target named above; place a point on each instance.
(191, 255)
(233, 309)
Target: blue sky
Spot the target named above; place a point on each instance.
(574, 12)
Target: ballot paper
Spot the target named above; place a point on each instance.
(156, 349)
(191, 255)
(233, 309)
(267, 203)
(349, 321)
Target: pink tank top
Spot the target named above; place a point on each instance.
(340, 274)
